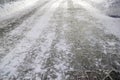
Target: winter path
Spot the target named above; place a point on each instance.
(57, 37)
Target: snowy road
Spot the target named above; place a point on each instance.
(59, 36)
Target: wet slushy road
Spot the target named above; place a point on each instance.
(58, 37)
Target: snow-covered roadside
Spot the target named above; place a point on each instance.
(21, 7)
(110, 7)
(111, 25)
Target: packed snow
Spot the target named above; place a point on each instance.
(46, 39)
(110, 7)
(16, 8)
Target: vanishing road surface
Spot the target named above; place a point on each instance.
(55, 40)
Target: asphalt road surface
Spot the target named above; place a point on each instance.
(55, 38)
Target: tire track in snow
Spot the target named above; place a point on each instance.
(70, 39)
(8, 42)
(90, 44)
(57, 63)
(17, 55)
(36, 64)
(10, 24)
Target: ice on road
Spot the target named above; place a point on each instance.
(56, 37)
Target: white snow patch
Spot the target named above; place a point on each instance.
(110, 7)
(111, 25)
(14, 8)
(17, 55)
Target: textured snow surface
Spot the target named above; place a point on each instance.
(14, 8)
(100, 9)
(110, 7)
(56, 37)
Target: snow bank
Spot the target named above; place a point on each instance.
(98, 7)
(13, 8)
(110, 7)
